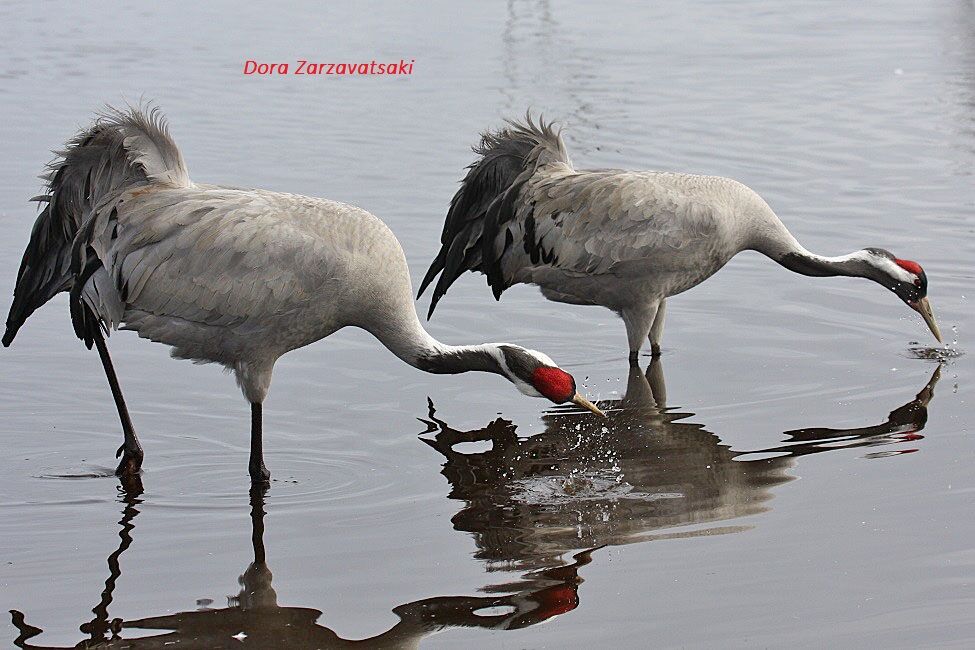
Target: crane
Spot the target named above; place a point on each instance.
(233, 276)
(625, 240)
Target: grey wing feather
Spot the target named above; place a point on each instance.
(597, 222)
(523, 207)
(119, 151)
(148, 145)
(206, 257)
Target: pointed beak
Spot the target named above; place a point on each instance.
(923, 307)
(586, 404)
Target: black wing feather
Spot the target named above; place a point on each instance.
(488, 199)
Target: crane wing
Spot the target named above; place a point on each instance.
(207, 255)
(605, 221)
(523, 213)
(119, 151)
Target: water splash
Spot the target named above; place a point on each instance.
(939, 354)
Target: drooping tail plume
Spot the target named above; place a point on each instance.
(488, 197)
(120, 150)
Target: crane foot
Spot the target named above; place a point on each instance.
(260, 475)
(131, 463)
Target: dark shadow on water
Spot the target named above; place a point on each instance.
(541, 505)
(98, 628)
(253, 618)
(647, 472)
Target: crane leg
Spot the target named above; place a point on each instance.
(131, 450)
(638, 322)
(258, 472)
(657, 329)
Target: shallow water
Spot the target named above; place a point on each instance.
(405, 504)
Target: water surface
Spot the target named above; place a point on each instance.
(802, 471)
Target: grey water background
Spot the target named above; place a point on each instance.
(851, 523)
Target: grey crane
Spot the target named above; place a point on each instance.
(227, 275)
(626, 240)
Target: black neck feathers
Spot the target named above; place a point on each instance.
(458, 360)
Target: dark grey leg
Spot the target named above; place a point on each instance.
(638, 321)
(258, 471)
(131, 450)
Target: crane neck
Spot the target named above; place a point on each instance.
(774, 240)
(806, 263)
(405, 336)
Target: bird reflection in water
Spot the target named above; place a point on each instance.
(253, 618)
(645, 473)
(541, 505)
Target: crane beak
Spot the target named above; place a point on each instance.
(586, 404)
(923, 307)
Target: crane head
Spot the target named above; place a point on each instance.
(908, 281)
(536, 375)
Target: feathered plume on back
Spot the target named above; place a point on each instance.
(119, 150)
(487, 199)
(148, 145)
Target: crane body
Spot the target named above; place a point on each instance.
(624, 240)
(233, 276)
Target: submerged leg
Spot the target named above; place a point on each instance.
(657, 329)
(638, 322)
(258, 471)
(131, 450)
